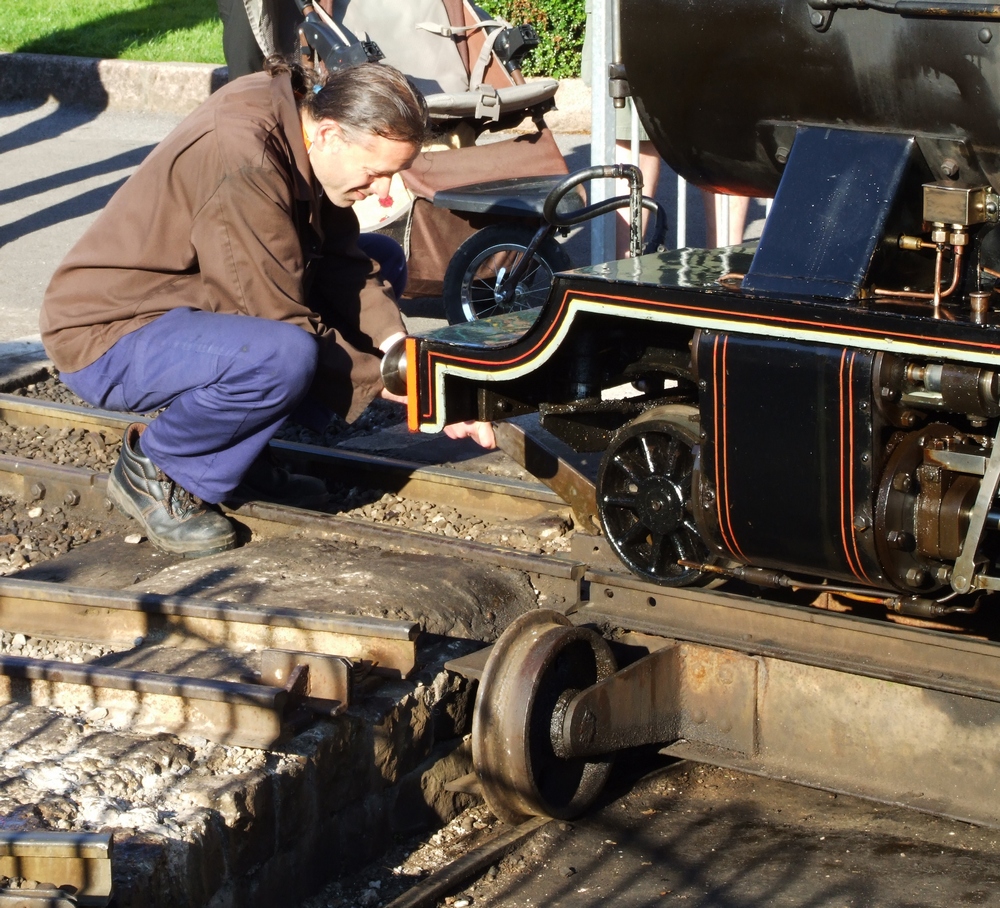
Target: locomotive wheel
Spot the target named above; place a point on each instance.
(471, 278)
(539, 663)
(644, 495)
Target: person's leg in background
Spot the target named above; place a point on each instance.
(737, 210)
(239, 44)
(390, 257)
(649, 165)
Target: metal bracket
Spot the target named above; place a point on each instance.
(820, 19)
(965, 566)
(545, 465)
(684, 691)
(324, 683)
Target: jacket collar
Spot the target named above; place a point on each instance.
(286, 112)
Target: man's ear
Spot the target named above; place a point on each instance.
(329, 134)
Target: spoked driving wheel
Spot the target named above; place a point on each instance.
(644, 495)
(539, 663)
(474, 275)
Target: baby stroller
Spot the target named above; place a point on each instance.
(468, 206)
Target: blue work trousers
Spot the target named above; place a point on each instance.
(227, 382)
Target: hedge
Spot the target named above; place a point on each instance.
(559, 24)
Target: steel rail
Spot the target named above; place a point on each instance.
(78, 864)
(557, 577)
(849, 643)
(930, 659)
(120, 617)
(450, 877)
(474, 493)
(231, 712)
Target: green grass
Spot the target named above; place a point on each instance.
(161, 30)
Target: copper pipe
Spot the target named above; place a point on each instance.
(938, 294)
(938, 260)
(989, 271)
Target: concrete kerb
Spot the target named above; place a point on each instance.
(177, 88)
(108, 84)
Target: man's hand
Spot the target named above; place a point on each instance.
(480, 432)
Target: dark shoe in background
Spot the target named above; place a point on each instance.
(172, 517)
(267, 480)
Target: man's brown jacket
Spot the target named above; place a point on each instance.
(224, 216)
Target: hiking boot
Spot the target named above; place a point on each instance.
(267, 480)
(172, 517)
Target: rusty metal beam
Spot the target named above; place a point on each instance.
(896, 714)
(925, 658)
(477, 494)
(327, 681)
(119, 617)
(544, 463)
(923, 749)
(35, 480)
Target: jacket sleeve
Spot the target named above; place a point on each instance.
(347, 288)
(248, 239)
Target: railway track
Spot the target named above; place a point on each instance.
(584, 581)
(762, 683)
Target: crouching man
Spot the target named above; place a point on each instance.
(223, 283)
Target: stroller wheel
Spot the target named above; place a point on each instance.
(470, 283)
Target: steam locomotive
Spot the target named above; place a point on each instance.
(821, 408)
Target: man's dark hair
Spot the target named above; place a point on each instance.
(370, 98)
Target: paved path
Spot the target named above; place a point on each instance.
(58, 168)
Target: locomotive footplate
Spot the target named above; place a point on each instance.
(835, 442)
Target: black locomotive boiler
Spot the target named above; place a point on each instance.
(820, 409)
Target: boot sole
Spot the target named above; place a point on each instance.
(120, 499)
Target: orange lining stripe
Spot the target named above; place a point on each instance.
(842, 444)
(848, 535)
(412, 403)
(849, 444)
(837, 328)
(720, 490)
(721, 378)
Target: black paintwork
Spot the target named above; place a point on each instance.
(787, 447)
(831, 212)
